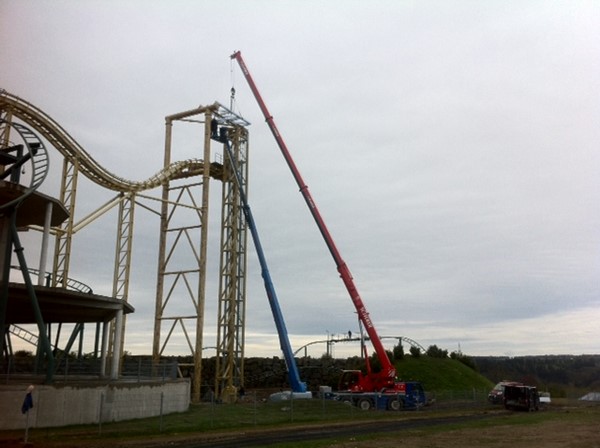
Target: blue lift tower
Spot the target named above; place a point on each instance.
(299, 389)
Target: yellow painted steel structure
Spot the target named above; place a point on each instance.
(177, 236)
(233, 265)
(185, 191)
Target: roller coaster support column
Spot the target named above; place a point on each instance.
(202, 265)
(44, 250)
(44, 341)
(6, 254)
(104, 347)
(116, 353)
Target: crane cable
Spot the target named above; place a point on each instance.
(232, 101)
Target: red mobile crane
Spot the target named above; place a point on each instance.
(355, 386)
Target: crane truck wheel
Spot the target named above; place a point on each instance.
(364, 404)
(396, 404)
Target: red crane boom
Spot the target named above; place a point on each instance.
(373, 381)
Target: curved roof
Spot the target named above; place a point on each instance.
(33, 208)
(61, 305)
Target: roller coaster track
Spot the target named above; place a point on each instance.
(71, 283)
(400, 339)
(77, 160)
(175, 202)
(36, 153)
(24, 334)
(71, 150)
(14, 194)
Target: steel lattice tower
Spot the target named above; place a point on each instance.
(184, 279)
(232, 287)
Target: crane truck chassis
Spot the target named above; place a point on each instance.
(406, 395)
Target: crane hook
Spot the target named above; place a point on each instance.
(232, 98)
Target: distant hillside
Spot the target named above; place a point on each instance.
(436, 374)
(560, 374)
(441, 374)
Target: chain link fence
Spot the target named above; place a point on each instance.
(73, 369)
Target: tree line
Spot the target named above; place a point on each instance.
(556, 373)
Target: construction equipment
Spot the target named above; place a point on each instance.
(355, 386)
(298, 387)
(521, 397)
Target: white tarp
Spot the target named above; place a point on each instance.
(592, 396)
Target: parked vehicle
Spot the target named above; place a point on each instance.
(496, 395)
(545, 398)
(521, 398)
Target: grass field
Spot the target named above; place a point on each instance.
(456, 389)
(208, 420)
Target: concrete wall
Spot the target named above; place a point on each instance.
(63, 405)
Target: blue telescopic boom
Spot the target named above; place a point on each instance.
(294, 376)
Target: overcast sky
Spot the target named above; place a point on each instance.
(452, 147)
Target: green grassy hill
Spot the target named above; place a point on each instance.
(441, 374)
(436, 374)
